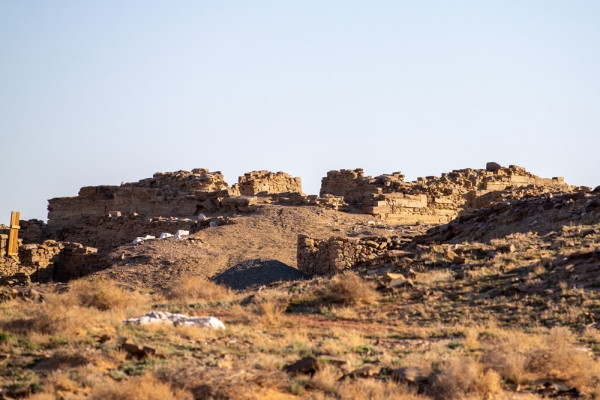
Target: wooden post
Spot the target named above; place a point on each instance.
(13, 237)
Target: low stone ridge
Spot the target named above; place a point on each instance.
(259, 272)
(542, 214)
(436, 200)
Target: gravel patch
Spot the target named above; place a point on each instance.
(257, 272)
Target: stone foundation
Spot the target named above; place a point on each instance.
(333, 255)
(48, 261)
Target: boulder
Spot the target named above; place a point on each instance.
(492, 166)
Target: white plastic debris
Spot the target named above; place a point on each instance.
(159, 317)
(181, 233)
(165, 235)
(140, 239)
(201, 217)
(213, 224)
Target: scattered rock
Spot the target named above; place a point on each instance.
(365, 372)
(506, 248)
(158, 317)
(137, 350)
(492, 166)
(410, 375)
(307, 365)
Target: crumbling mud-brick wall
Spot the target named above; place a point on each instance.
(435, 200)
(329, 256)
(264, 183)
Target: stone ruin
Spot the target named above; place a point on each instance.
(335, 254)
(257, 183)
(435, 200)
(177, 194)
(102, 217)
(107, 216)
(47, 261)
(172, 194)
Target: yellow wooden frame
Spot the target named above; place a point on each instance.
(13, 237)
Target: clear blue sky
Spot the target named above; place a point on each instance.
(99, 92)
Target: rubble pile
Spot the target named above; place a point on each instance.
(436, 199)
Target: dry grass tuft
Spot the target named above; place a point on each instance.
(103, 295)
(364, 389)
(434, 276)
(270, 306)
(88, 305)
(463, 378)
(349, 289)
(146, 387)
(197, 288)
(242, 382)
(326, 378)
(519, 357)
(59, 314)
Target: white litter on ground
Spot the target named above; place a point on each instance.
(201, 217)
(181, 233)
(141, 239)
(165, 235)
(159, 317)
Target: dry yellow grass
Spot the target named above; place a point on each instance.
(197, 288)
(519, 357)
(349, 289)
(462, 378)
(434, 276)
(103, 295)
(145, 387)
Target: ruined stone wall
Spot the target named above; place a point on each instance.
(108, 231)
(329, 256)
(435, 199)
(33, 231)
(264, 182)
(9, 265)
(48, 261)
(178, 194)
(76, 261)
(37, 260)
(170, 194)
